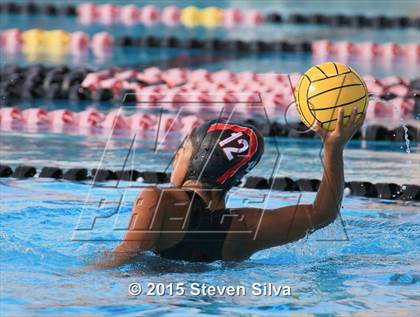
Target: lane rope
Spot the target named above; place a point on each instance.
(62, 82)
(60, 42)
(94, 122)
(191, 16)
(391, 191)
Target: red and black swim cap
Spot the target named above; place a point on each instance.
(223, 152)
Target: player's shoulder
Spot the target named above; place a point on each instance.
(148, 196)
(154, 193)
(151, 191)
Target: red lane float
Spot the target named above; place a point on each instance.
(89, 13)
(11, 40)
(91, 118)
(394, 109)
(116, 119)
(368, 50)
(198, 90)
(209, 17)
(178, 87)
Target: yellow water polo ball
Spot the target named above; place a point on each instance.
(211, 17)
(190, 16)
(324, 89)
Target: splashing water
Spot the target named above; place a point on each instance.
(407, 140)
(363, 131)
(396, 113)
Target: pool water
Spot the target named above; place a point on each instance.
(364, 264)
(368, 267)
(369, 263)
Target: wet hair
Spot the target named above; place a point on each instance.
(223, 152)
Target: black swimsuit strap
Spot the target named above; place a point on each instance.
(201, 246)
(192, 194)
(196, 206)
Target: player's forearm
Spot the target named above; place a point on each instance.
(113, 258)
(111, 261)
(328, 199)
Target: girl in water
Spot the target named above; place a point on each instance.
(189, 221)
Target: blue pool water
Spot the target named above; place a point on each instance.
(365, 264)
(367, 267)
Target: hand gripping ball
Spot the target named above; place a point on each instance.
(324, 89)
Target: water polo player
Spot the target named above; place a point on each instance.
(190, 221)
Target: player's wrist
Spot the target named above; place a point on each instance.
(334, 146)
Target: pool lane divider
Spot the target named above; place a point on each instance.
(93, 122)
(191, 16)
(399, 99)
(62, 82)
(394, 96)
(392, 191)
(58, 42)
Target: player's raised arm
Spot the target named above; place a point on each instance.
(330, 194)
(287, 224)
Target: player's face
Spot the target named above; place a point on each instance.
(181, 163)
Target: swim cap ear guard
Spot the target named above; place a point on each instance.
(223, 152)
